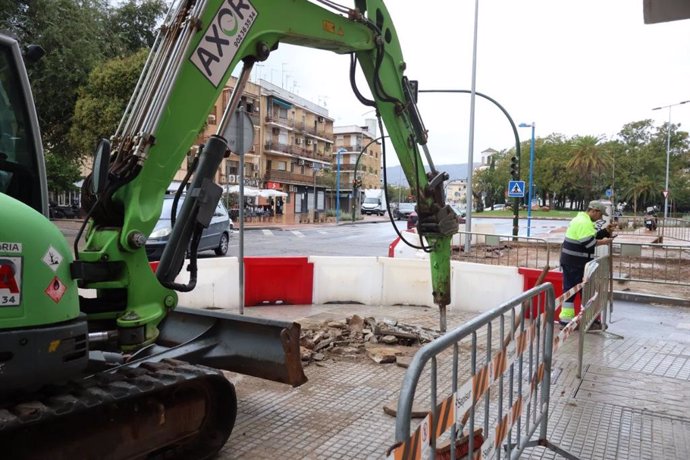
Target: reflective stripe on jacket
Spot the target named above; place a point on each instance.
(580, 240)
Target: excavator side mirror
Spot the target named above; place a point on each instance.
(101, 160)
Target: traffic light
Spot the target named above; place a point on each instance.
(514, 168)
(357, 183)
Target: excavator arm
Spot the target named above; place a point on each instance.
(201, 43)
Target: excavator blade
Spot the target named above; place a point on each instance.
(264, 348)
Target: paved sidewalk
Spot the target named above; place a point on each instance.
(632, 403)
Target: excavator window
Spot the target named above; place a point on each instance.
(17, 153)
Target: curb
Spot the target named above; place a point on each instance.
(304, 226)
(649, 298)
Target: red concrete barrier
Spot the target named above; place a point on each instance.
(270, 280)
(530, 276)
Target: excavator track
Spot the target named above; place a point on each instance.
(170, 409)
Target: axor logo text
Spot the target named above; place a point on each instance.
(224, 35)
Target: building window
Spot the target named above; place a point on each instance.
(281, 165)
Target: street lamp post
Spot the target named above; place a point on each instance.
(531, 171)
(337, 184)
(668, 151)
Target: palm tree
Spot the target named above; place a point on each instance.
(644, 189)
(587, 159)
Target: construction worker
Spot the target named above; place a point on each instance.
(578, 248)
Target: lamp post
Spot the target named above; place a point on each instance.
(337, 184)
(668, 151)
(531, 170)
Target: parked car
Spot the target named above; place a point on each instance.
(216, 237)
(64, 212)
(404, 210)
(499, 207)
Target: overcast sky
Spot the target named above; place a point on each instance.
(582, 67)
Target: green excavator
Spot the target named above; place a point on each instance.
(97, 360)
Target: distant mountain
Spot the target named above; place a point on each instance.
(396, 176)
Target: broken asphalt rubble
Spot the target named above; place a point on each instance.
(357, 336)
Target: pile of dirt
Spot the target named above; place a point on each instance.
(382, 341)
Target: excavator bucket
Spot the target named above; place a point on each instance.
(264, 348)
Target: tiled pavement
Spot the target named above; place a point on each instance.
(632, 403)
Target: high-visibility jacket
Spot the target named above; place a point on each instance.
(580, 240)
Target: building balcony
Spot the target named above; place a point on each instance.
(286, 177)
(280, 121)
(318, 131)
(297, 150)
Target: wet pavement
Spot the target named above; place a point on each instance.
(633, 401)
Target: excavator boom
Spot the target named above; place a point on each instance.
(201, 44)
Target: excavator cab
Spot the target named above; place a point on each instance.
(21, 166)
(42, 333)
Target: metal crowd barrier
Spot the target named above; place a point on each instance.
(653, 263)
(517, 251)
(596, 294)
(678, 229)
(507, 352)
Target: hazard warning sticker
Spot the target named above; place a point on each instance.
(10, 281)
(56, 289)
(52, 259)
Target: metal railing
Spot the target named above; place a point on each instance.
(668, 228)
(677, 229)
(505, 356)
(652, 263)
(493, 249)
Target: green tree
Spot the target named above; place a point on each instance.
(641, 191)
(76, 35)
(587, 161)
(133, 25)
(489, 184)
(103, 99)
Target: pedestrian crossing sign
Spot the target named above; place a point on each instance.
(516, 188)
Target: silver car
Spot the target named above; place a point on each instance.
(216, 237)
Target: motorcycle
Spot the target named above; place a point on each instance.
(650, 223)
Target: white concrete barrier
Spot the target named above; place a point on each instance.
(347, 279)
(479, 287)
(217, 284)
(406, 282)
(366, 280)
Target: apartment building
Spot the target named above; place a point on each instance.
(456, 192)
(359, 142)
(297, 143)
(293, 143)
